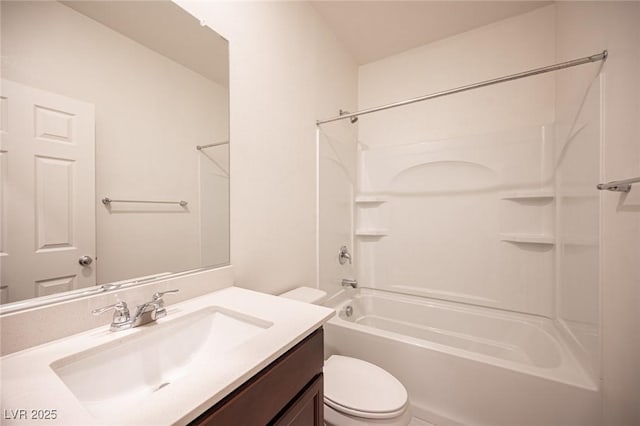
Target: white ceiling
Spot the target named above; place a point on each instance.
(166, 28)
(372, 30)
(369, 29)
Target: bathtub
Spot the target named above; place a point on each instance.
(465, 364)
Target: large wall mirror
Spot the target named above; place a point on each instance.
(114, 160)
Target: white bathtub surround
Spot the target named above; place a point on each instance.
(471, 208)
(465, 364)
(483, 201)
(467, 179)
(29, 380)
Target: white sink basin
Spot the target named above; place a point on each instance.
(122, 372)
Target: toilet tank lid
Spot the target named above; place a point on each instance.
(306, 294)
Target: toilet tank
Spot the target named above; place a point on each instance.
(306, 294)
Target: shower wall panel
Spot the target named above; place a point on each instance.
(467, 210)
(467, 219)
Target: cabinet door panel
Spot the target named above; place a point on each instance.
(307, 409)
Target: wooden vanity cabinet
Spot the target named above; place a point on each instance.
(288, 392)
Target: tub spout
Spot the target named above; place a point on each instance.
(349, 283)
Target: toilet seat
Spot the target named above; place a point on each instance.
(359, 388)
(364, 414)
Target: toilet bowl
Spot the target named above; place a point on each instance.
(356, 392)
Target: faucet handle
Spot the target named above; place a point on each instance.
(158, 296)
(343, 255)
(120, 307)
(161, 311)
(121, 316)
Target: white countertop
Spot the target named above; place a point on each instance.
(29, 383)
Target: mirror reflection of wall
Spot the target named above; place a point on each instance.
(143, 99)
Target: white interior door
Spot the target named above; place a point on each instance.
(47, 193)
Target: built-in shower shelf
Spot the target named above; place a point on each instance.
(370, 232)
(528, 238)
(532, 195)
(371, 199)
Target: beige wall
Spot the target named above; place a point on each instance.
(286, 71)
(150, 114)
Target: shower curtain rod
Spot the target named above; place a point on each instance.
(201, 147)
(587, 59)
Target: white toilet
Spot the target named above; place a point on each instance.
(356, 392)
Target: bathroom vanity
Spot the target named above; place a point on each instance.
(287, 392)
(233, 356)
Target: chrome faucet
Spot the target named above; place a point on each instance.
(121, 316)
(145, 313)
(343, 255)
